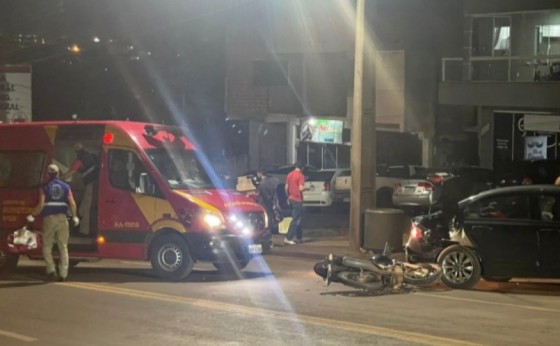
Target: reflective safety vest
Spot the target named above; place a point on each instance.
(56, 197)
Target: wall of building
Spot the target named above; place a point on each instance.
(316, 40)
(426, 31)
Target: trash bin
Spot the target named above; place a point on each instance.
(384, 225)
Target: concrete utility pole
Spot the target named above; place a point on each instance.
(363, 153)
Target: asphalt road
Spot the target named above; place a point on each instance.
(276, 300)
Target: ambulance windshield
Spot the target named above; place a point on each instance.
(181, 168)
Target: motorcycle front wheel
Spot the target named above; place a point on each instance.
(367, 281)
(421, 274)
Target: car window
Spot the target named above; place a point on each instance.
(420, 172)
(282, 170)
(381, 170)
(549, 207)
(398, 172)
(515, 206)
(320, 176)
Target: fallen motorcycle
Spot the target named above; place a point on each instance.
(380, 273)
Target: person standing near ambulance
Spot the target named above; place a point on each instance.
(87, 165)
(54, 200)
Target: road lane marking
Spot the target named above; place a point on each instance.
(17, 336)
(285, 316)
(471, 300)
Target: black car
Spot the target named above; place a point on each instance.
(496, 235)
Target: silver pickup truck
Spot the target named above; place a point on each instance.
(385, 179)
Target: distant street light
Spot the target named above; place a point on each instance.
(75, 49)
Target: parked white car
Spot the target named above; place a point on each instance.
(385, 179)
(319, 188)
(247, 182)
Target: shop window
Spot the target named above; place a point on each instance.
(314, 154)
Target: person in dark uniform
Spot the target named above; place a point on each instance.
(266, 197)
(54, 200)
(87, 165)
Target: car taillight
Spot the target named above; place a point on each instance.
(526, 181)
(327, 186)
(415, 232)
(426, 185)
(436, 179)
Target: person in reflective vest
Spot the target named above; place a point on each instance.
(87, 165)
(54, 200)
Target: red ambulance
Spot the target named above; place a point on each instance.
(154, 196)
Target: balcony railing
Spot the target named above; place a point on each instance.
(504, 68)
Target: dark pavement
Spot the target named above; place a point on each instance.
(319, 242)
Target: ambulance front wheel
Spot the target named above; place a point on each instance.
(170, 257)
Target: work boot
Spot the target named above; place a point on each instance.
(51, 277)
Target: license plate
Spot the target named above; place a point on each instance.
(255, 248)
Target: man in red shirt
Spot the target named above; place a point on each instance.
(294, 191)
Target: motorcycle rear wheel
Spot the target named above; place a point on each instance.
(367, 281)
(421, 274)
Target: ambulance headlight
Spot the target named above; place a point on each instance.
(212, 220)
(239, 223)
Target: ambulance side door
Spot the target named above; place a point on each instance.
(123, 206)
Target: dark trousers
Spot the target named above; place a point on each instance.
(295, 225)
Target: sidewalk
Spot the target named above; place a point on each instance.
(319, 242)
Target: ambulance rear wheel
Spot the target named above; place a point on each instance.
(8, 262)
(170, 257)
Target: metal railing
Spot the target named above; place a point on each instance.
(503, 68)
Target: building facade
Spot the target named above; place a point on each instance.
(291, 63)
(503, 88)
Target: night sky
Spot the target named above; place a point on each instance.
(147, 60)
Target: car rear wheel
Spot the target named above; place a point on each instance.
(460, 266)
